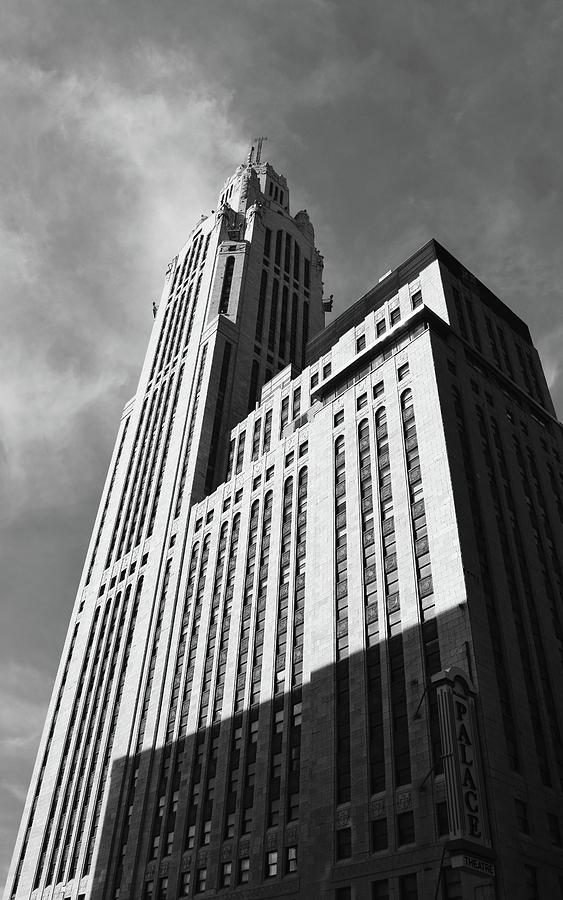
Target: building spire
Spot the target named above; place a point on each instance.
(259, 141)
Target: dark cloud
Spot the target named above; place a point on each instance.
(392, 122)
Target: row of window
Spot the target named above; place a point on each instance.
(465, 309)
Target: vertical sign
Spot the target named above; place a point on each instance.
(462, 756)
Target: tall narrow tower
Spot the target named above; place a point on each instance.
(239, 304)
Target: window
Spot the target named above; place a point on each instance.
(238, 496)
(379, 834)
(360, 343)
(291, 859)
(395, 316)
(405, 828)
(256, 482)
(201, 880)
(452, 367)
(554, 829)
(442, 818)
(271, 864)
(380, 890)
(226, 286)
(362, 401)
(226, 873)
(531, 883)
(303, 449)
(343, 893)
(314, 380)
(416, 299)
(403, 371)
(380, 328)
(226, 504)
(407, 887)
(378, 389)
(270, 473)
(327, 370)
(344, 843)
(289, 458)
(338, 418)
(244, 870)
(521, 809)
(209, 517)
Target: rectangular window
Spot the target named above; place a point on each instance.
(362, 401)
(327, 369)
(303, 449)
(416, 299)
(395, 316)
(271, 864)
(244, 870)
(442, 818)
(554, 829)
(343, 893)
(380, 328)
(380, 890)
(201, 881)
(314, 380)
(291, 859)
(270, 473)
(344, 843)
(379, 834)
(338, 418)
(226, 873)
(405, 828)
(289, 458)
(403, 371)
(378, 389)
(360, 343)
(407, 887)
(521, 809)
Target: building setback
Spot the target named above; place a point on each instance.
(317, 641)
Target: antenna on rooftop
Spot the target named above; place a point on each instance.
(259, 141)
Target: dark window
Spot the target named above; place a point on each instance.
(327, 370)
(403, 371)
(405, 828)
(283, 322)
(226, 287)
(380, 328)
(296, 261)
(554, 829)
(307, 273)
(379, 389)
(267, 239)
(416, 299)
(255, 371)
(379, 834)
(279, 238)
(339, 418)
(407, 887)
(344, 843)
(380, 890)
(360, 343)
(314, 380)
(261, 306)
(521, 809)
(531, 883)
(343, 893)
(442, 818)
(395, 316)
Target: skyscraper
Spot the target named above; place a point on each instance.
(316, 646)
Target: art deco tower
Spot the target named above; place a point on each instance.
(316, 647)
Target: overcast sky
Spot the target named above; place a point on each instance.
(393, 123)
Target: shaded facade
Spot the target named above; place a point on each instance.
(316, 647)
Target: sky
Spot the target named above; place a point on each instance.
(393, 123)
